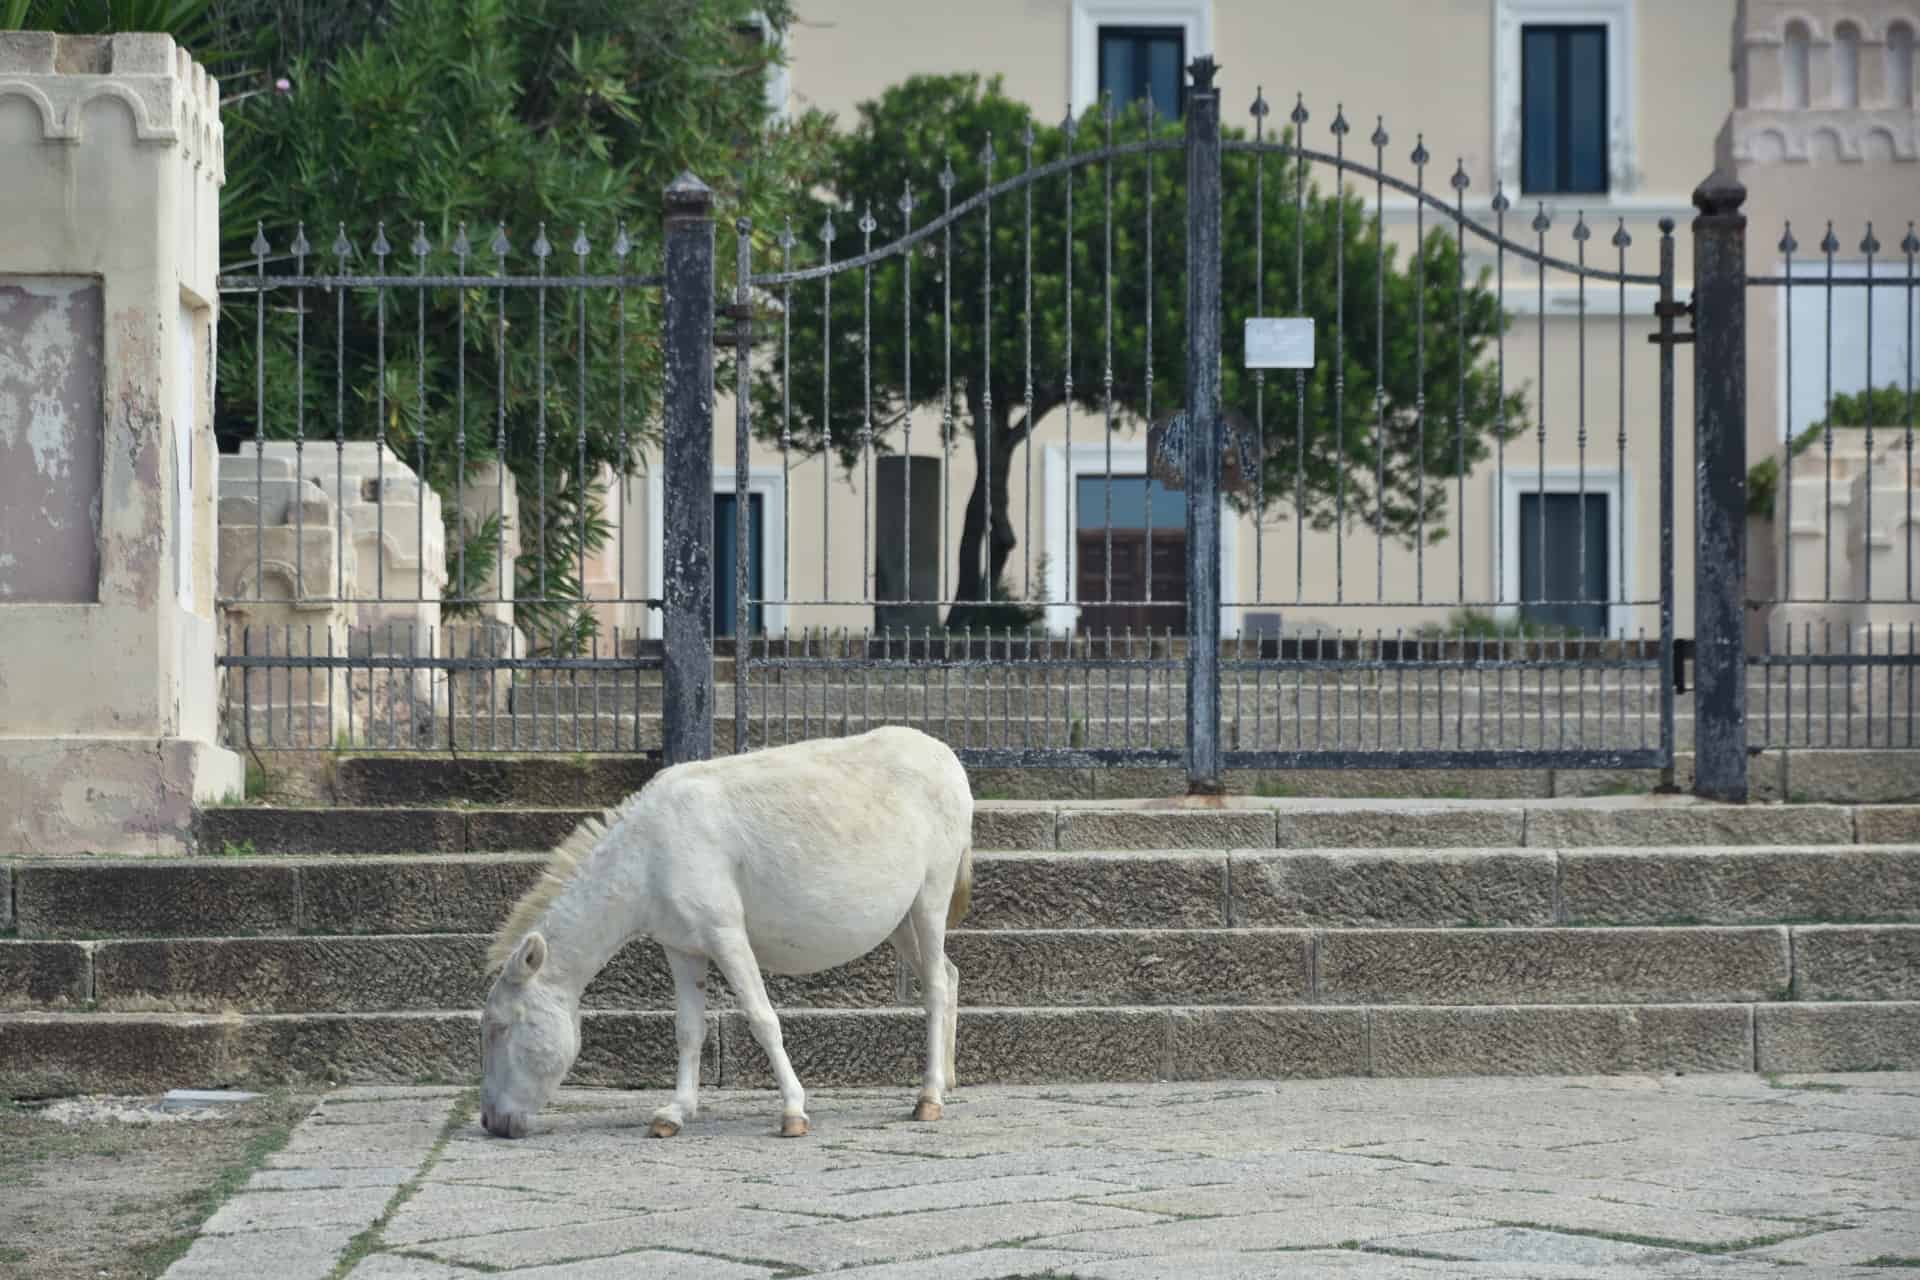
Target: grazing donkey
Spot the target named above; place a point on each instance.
(793, 859)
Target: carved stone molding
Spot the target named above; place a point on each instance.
(169, 97)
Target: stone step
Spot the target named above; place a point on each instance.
(413, 779)
(52, 1053)
(90, 899)
(1022, 968)
(1232, 822)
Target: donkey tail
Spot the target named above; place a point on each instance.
(962, 889)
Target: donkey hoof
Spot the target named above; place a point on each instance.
(663, 1129)
(793, 1126)
(927, 1109)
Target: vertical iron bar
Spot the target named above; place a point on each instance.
(1380, 359)
(1339, 129)
(1420, 158)
(1667, 313)
(1203, 430)
(1720, 469)
(687, 682)
(742, 479)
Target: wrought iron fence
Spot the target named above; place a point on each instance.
(425, 461)
(1832, 591)
(999, 474)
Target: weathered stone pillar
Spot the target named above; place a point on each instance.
(109, 237)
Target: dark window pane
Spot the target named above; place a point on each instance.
(1563, 109)
(1129, 504)
(1556, 571)
(1586, 132)
(725, 562)
(1143, 62)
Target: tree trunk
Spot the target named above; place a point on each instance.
(990, 476)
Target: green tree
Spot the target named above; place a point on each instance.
(568, 116)
(416, 117)
(901, 142)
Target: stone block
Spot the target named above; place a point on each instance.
(312, 831)
(1166, 828)
(43, 974)
(1267, 1044)
(1005, 1046)
(45, 1054)
(1386, 784)
(6, 897)
(1552, 966)
(1008, 827)
(1838, 1037)
(1888, 823)
(1564, 1040)
(1016, 968)
(1039, 784)
(1400, 827)
(1465, 887)
(1735, 886)
(638, 978)
(631, 1050)
(293, 975)
(1839, 777)
(1702, 825)
(313, 1048)
(1857, 962)
(534, 781)
(150, 899)
(1099, 890)
(522, 830)
(295, 1253)
(459, 894)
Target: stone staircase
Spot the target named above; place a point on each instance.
(1108, 940)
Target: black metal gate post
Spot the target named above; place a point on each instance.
(686, 706)
(1720, 489)
(1203, 431)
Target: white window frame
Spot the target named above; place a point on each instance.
(1058, 470)
(1620, 507)
(769, 483)
(1194, 17)
(1618, 17)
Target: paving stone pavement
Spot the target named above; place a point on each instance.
(1548, 1178)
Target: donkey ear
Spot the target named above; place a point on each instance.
(527, 958)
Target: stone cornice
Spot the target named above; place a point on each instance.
(169, 97)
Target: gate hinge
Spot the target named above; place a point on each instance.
(1671, 311)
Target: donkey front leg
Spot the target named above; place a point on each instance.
(689, 1033)
(742, 972)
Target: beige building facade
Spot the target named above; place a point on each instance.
(1820, 125)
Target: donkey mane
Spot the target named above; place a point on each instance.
(562, 866)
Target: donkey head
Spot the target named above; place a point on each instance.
(529, 1037)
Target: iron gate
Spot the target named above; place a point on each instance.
(1464, 676)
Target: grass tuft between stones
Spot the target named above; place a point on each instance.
(286, 1113)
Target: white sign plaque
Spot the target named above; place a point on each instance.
(1279, 343)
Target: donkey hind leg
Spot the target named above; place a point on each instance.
(742, 972)
(689, 1033)
(939, 983)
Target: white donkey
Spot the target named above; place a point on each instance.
(793, 859)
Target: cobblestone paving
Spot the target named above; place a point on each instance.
(1711, 1175)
